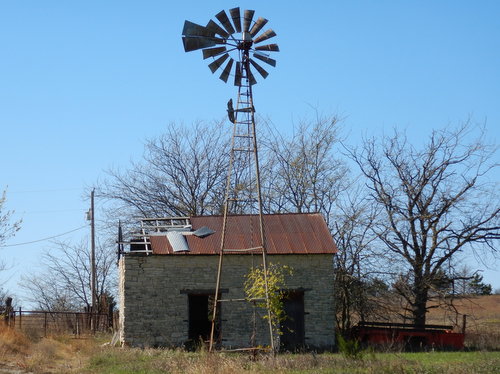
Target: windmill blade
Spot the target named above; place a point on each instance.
(251, 78)
(192, 43)
(247, 19)
(212, 52)
(218, 63)
(193, 29)
(268, 47)
(237, 74)
(216, 29)
(222, 17)
(260, 69)
(225, 73)
(258, 25)
(267, 60)
(235, 15)
(264, 36)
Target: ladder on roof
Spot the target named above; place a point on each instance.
(243, 192)
(163, 224)
(149, 226)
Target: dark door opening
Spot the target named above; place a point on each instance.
(200, 317)
(199, 320)
(293, 337)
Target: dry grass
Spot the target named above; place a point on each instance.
(12, 343)
(483, 320)
(58, 354)
(176, 362)
(63, 354)
(482, 309)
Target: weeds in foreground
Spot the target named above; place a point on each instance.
(57, 354)
(64, 354)
(176, 362)
(12, 342)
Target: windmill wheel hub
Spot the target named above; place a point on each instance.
(245, 45)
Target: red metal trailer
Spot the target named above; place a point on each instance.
(409, 336)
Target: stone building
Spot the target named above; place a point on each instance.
(168, 283)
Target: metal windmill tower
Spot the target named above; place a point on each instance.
(234, 43)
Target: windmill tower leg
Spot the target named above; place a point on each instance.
(243, 151)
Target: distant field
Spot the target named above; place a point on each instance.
(483, 320)
(480, 310)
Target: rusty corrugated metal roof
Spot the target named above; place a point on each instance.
(296, 233)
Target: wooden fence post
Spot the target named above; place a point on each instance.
(77, 331)
(9, 311)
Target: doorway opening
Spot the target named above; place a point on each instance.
(293, 328)
(200, 317)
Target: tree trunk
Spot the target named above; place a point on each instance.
(419, 308)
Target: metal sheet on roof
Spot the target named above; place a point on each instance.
(177, 241)
(300, 233)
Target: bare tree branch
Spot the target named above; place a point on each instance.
(64, 283)
(182, 172)
(437, 202)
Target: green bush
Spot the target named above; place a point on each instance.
(349, 348)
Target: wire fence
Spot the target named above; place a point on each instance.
(45, 323)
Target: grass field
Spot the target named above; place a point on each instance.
(133, 361)
(65, 354)
(20, 354)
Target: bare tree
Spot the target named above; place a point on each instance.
(304, 174)
(64, 282)
(436, 203)
(463, 281)
(183, 172)
(7, 227)
(299, 173)
(355, 264)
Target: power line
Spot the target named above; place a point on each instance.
(41, 240)
(45, 191)
(51, 211)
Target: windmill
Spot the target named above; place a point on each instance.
(234, 46)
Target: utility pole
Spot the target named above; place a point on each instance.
(92, 260)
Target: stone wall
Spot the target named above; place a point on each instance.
(154, 297)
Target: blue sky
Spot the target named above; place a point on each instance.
(83, 83)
